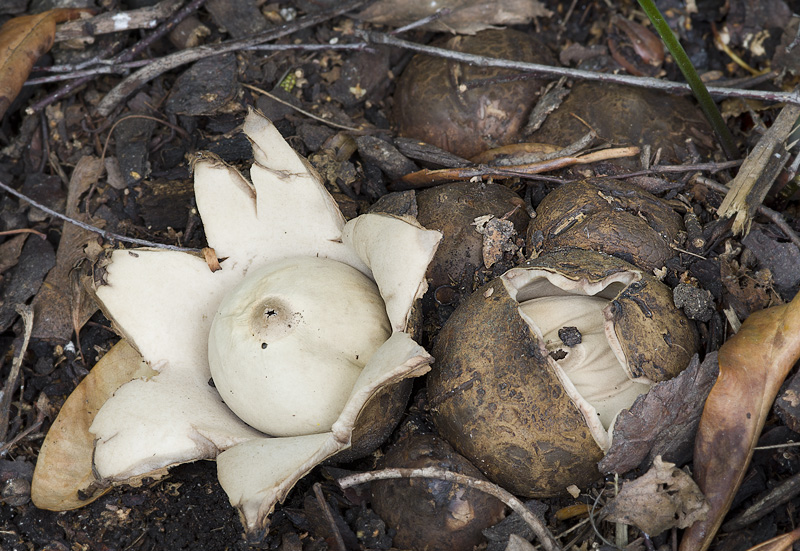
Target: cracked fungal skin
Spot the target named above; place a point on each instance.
(499, 401)
(431, 103)
(657, 339)
(609, 216)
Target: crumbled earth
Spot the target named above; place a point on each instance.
(146, 193)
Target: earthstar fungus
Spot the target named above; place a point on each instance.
(330, 304)
(532, 369)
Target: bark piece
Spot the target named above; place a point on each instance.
(208, 86)
(36, 260)
(782, 259)
(239, 17)
(663, 422)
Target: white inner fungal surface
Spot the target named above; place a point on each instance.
(288, 343)
(591, 365)
(593, 372)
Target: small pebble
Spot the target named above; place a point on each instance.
(697, 304)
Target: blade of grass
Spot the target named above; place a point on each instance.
(690, 74)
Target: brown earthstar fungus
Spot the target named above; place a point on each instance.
(610, 216)
(625, 115)
(301, 324)
(532, 412)
(466, 109)
(432, 514)
(453, 210)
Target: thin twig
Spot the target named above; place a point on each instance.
(326, 510)
(642, 82)
(666, 169)
(774, 216)
(300, 110)
(176, 128)
(106, 66)
(145, 74)
(103, 233)
(438, 14)
(11, 383)
(542, 533)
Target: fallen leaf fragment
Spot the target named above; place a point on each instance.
(22, 41)
(662, 498)
(752, 367)
(64, 477)
(63, 306)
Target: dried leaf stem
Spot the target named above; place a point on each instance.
(547, 70)
(547, 540)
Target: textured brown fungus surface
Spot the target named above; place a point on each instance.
(500, 391)
(625, 115)
(609, 216)
(442, 102)
(452, 209)
(428, 513)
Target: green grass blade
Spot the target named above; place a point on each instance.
(690, 74)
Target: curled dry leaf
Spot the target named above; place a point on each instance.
(752, 367)
(63, 306)
(69, 481)
(22, 41)
(662, 498)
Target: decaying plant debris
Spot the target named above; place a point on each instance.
(110, 145)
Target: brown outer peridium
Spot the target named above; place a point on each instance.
(506, 405)
(432, 105)
(452, 209)
(494, 396)
(656, 339)
(613, 217)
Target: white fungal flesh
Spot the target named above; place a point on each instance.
(594, 373)
(288, 343)
(591, 365)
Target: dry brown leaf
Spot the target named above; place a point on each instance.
(61, 306)
(465, 17)
(10, 251)
(64, 478)
(752, 367)
(662, 498)
(22, 41)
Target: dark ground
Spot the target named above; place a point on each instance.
(188, 509)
